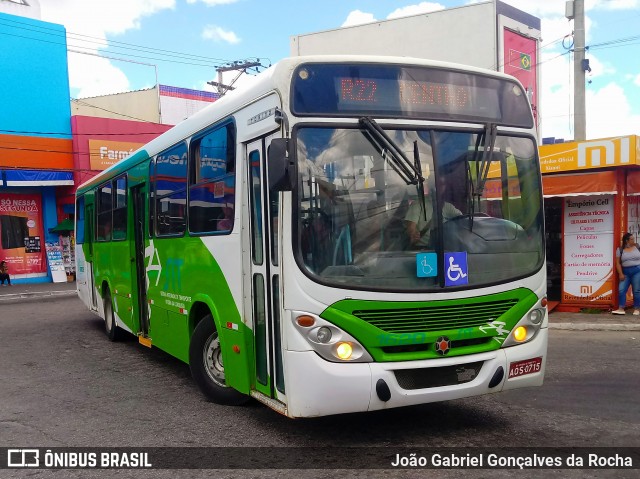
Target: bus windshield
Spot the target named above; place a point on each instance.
(362, 224)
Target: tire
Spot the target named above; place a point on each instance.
(114, 333)
(205, 361)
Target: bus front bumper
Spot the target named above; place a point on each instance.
(316, 387)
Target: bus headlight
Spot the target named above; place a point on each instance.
(329, 341)
(527, 328)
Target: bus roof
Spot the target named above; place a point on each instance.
(272, 79)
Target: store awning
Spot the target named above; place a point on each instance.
(37, 178)
(63, 227)
(633, 183)
(598, 183)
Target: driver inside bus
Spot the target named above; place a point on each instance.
(420, 225)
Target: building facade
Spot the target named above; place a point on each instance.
(36, 160)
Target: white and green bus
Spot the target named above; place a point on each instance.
(345, 234)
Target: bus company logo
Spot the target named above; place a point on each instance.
(584, 289)
(443, 345)
(23, 458)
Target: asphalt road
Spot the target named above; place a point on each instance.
(62, 383)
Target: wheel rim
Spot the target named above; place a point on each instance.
(212, 358)
(108, 314)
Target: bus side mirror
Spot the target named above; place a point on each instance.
(279, 167)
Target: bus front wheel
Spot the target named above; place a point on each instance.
(207, 369)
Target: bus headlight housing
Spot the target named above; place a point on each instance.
(329, 341)
(527, 328)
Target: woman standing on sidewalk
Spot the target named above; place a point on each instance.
(4, 273)
(628, 266)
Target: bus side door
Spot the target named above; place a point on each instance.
(263, 211)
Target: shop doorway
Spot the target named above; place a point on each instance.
(553, 232)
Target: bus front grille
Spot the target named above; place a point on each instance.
(435, 318)
(410, 379)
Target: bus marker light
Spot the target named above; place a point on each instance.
(305, 321)
(344, 350)
(543, 302)
(236, 349)
(231, 325)
(520, 333)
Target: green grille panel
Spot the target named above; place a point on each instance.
(435, 318)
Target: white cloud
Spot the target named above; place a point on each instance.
(95, 76)
(422, 7)
(213, 3)
(614, 116)
(217, 34)
(636, 80)
(356, 17)
(88, 74)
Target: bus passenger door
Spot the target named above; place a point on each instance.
(139, 203)
(263, 274)
(89, 239)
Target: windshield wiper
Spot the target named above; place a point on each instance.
(486, 139)
(390, 152)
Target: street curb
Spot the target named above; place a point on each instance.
(36, 295)
(595, 327)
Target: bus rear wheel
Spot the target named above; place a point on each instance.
(114, 333)
(207, 369)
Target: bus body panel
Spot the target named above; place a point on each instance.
(353, 386)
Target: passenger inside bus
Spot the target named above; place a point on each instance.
(421, 221)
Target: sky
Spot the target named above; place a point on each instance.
(182, 42)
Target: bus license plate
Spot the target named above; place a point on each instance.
(528, 366)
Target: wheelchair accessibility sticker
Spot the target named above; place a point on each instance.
(456, 269)
(427, 264)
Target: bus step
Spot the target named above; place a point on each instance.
(144, 341)
(272, 403)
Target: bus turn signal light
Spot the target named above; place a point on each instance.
(306, 321)
(520, 334)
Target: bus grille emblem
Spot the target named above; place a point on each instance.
(443, 345)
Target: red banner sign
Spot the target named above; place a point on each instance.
(21, 233)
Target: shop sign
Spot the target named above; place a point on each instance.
(584, 155)
(21, 233)
(104, 153)
(588, 249)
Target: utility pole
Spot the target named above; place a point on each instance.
(241, 67)
(575, 10)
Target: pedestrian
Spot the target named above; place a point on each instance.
(4, 273)
(628, 266)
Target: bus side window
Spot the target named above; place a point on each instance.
(105, 198)
(171, 191)
(212, 181)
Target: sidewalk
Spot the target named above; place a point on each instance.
(572, 321)
(28, 292)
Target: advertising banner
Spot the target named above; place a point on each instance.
(21, 233)
(588, 249)
(520, 60)
(585, 155)
(104, 153)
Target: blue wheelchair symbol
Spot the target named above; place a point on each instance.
(427, 265)
(456, 269)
